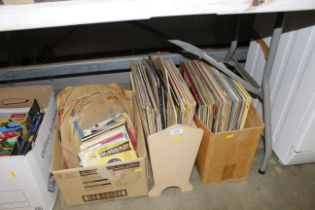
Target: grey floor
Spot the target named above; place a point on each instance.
(282, 187)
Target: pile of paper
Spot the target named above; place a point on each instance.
(163, 96)
(222, 103)
(95, 125)
(18, 129)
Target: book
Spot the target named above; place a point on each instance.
(105, 145)
(106, 135)
(121, 150)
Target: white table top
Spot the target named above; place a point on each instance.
(75, 12)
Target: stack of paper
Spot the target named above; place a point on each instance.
(163, 96)
(222, 103)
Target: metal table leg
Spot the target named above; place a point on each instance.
(277, 31)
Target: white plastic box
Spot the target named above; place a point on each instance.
(25, 181)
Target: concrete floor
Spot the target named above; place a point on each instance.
(290, 187)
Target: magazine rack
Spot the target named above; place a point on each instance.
(173, 152)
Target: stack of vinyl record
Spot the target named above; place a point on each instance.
(162, 94)
(222, 103)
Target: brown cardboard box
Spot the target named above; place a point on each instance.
(228, 155)
(118, 180)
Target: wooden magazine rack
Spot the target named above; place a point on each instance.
(173, 152)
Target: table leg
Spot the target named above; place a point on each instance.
(276, 35)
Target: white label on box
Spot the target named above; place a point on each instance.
(176, 131)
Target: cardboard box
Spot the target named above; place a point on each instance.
(85, 185)
(26, 182)
(228, 155)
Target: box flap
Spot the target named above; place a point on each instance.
(57, 161)
(18, 97)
